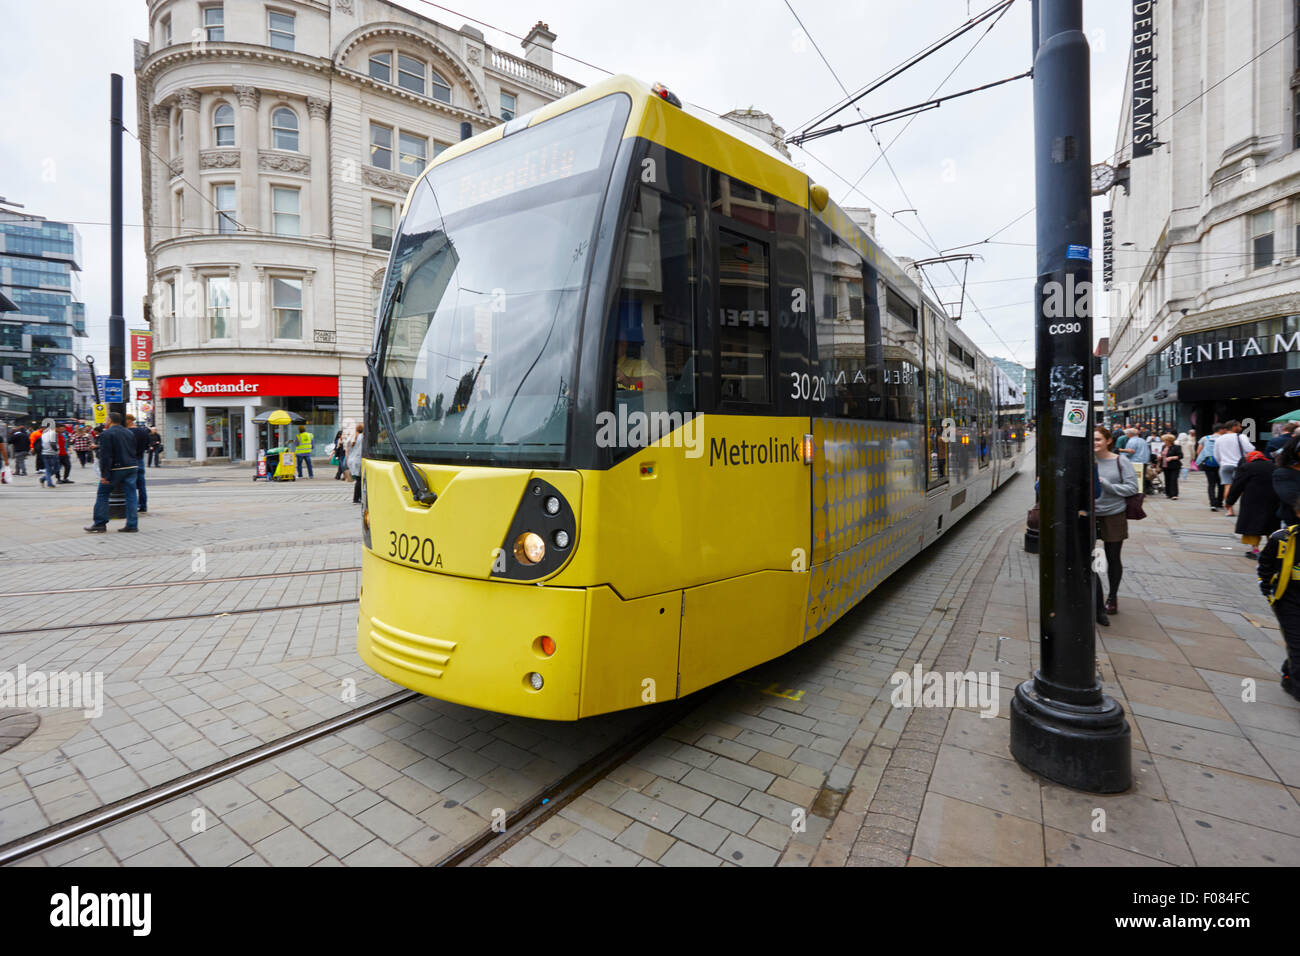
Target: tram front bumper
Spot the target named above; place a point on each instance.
(473, 642)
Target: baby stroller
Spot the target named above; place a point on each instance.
(1155, 479)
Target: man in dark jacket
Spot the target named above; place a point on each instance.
(118, 468)
(21, 446)
(1286, 482)
(1277, 441)
(142, 437)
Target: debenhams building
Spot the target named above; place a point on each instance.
(1203, 258)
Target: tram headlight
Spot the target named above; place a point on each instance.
(529, 548)
(552, 505)
(535, 680)
(561, 539)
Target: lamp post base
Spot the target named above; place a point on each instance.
(1086, 747)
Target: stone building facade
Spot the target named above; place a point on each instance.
(278, 142)
(1205, 300)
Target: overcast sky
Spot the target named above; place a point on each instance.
(966, 168)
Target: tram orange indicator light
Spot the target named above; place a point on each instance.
(807, 449)
(548, 646)
(529, 548)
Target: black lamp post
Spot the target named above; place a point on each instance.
(1062, 725)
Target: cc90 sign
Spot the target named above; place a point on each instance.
(1064, 328)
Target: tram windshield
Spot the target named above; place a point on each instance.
(479, 349)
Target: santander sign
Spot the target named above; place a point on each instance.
(259, 386)
(226, 388)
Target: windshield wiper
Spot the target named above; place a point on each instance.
(414, 477)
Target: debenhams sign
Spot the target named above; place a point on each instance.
(1179, 354)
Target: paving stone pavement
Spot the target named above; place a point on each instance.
(1192, 656)
(178, 695)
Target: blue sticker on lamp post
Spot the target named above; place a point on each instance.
(1078, 252)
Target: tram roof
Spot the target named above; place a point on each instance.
(717, 143)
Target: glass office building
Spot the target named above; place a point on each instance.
(39, 265)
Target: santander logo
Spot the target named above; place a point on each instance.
(217, 387)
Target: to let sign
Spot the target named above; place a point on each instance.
(141, 352)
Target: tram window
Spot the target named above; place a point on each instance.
(740, 201)
(937, 409)
(900, 308)
(845, 322)
(654, 314)
(744, 322)
(899, 348)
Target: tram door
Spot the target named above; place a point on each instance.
(936, 404)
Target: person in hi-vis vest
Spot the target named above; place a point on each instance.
(303, 451)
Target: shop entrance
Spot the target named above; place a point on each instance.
(216, 434)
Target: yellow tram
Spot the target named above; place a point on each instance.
(644, 410)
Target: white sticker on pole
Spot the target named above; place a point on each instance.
(1075, 423)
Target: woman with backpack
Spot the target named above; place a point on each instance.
(1207, 463)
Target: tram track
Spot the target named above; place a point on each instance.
(179, 617)
(550, 800)
(46, 592)
(129, 806)
(476, 851)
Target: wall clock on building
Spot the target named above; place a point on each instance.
(1105, 177)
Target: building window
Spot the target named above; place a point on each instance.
(410, 74)
(218, 306)
(1295, 104)
(286, 305)
(214, 23)
(438, 148)
(381, 67)
(507, 106)
(441, 88)
(381, 146)
(167, 30)
(381, 224)
(284, 129)
(285, 212)
(1261, 238)
(223, 125)
(169, 325)
(280, 29)
(224, 200)
(413, 153)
